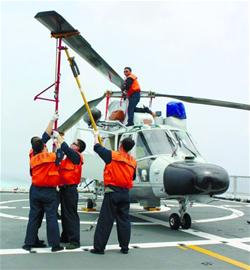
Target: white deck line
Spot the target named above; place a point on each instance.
(237, 243)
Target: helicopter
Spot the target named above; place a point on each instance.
(169, 165)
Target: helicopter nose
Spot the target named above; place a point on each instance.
(188, 177)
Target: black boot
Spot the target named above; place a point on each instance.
(57, 248)
(147, 110)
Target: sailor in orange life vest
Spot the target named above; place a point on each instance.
(45, 138)
(43, 196)
(70, 176)
(131, 89)
(119, 173)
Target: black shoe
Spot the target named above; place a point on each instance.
(39, 241)
(129, 125)
(124, 251)
(39, 244)
(96, 251)
(63, 240)
(56, 248)
(147, 110)
(72, 246)
(27, 247)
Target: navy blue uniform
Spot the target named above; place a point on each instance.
(134, 99)
(115, 206)
(43, 200)
(69, 200)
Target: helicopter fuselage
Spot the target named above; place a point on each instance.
(168, 163)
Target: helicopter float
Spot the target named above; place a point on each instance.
(169, 166)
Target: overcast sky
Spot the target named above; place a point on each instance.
(196, 48)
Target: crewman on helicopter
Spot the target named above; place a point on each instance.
(131, 89)
(119, 172)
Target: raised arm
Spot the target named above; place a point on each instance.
(49, 128)
(68, 151)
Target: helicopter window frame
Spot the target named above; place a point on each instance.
(151, 147)
(186, 146)
(109, 140)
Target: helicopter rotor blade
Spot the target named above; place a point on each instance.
(206, 101)
(59, 26)
(203, 101)
(75, 117)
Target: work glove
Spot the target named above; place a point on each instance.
(96, 134)
(55, 116)
(57, 144)
(55, 134)
(124, 94)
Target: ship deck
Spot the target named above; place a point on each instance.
(218, 239)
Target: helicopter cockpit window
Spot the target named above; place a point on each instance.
(185, 142)
(152, 142)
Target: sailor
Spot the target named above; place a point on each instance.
(131, 89)
(119, 174)
(70, 176)
(43, 197)
(45, 138)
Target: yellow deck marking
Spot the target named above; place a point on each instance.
(182, 247)
(220, 257)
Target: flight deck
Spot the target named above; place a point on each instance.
(218, 239)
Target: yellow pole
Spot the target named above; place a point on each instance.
(83, 96)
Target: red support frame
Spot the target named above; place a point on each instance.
(59, 49)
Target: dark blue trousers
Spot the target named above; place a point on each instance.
(43, 200)
(69, 216)
(133, 101)
(115, 206)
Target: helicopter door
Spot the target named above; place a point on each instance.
(154, 150)
(143, 153)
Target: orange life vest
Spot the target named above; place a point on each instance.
(31, 153)
(70, 174)
(120, 171)
(44, 170)
(135, 87)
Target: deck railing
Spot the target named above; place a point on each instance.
(239, 188)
